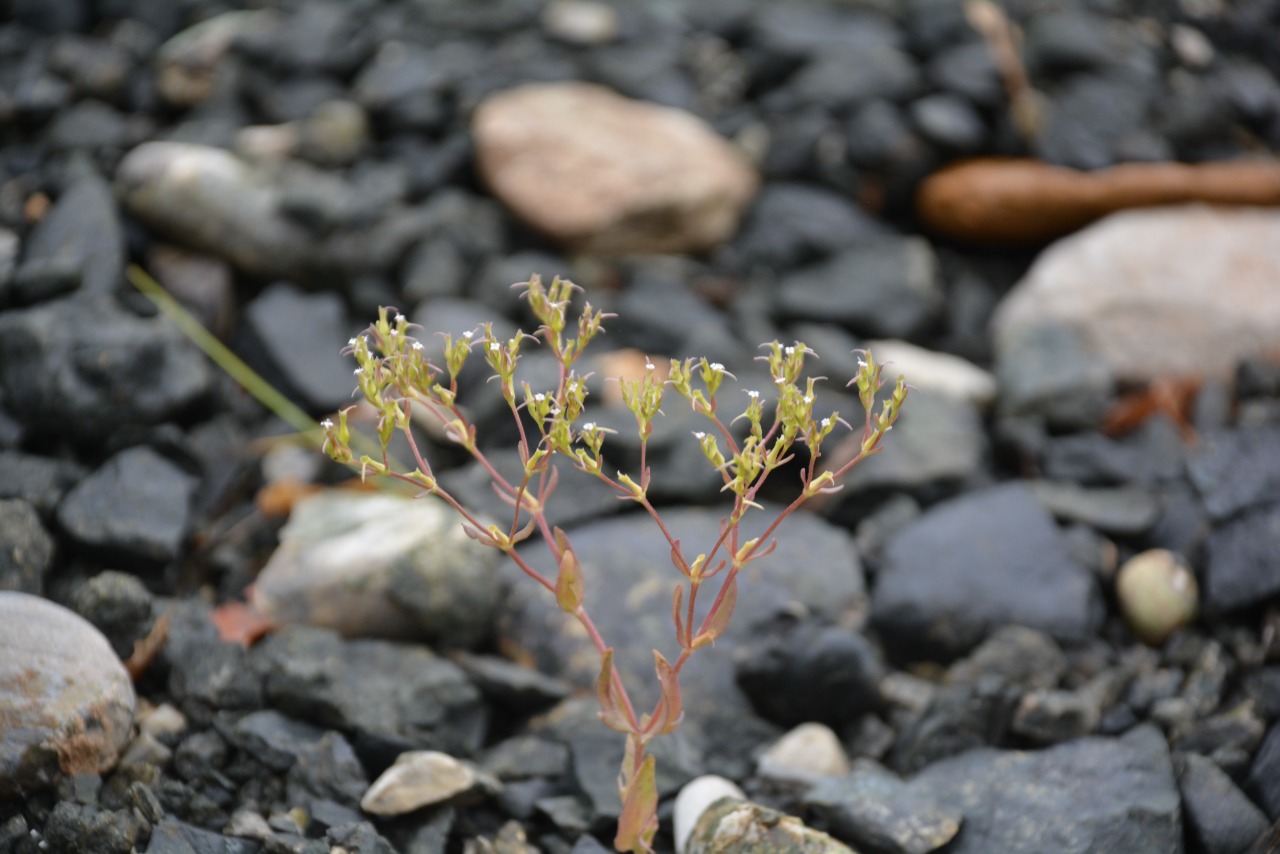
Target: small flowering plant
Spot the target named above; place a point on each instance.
(394, 376)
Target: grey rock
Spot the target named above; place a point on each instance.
(880, 137)
(630, 579)
(1031, 579)
(83, 229)
(327, 770)
(396, 696)
(888, 287)
(295, 340)
(1264, 775)
(800, 32)
(1069, 40)
(875, 809)
(1122, 510)
(419, 778)
(1153, 456)
(273, 739)
(840, 80)
(956, 719)
(98, 126)
(806, 672)
(522, 757)
(206, 675)
(511, 685)
(1242, 565)
(968, 70)
(26, 549)
(1014, 655)
(433, 268)
(791, 224)
(1051, 372)
(381, 566)
(67, 701)
(948, 121)
(81, 827)
(172, 836)
(137, 504)
(1090, 120)
(101, 369)
(208, 199)
(1236, 470)
(1220, 816)
(118, 604)
(1090, 795)
(404, 83)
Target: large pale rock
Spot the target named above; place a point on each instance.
(380, 566)
(1160, 292)
(604, 173)
(66, 701)
(208, 199)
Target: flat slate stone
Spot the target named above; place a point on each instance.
(973, 564)
(1242, 561)
(1088, 796)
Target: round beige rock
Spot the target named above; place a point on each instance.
(606, 174)
(1157, 593)
(66, 701)
(418, 778)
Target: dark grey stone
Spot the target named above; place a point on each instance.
(801, 672)
(799, 32)
(83, 228)
(889, 287)
(79, 827)
(1004, 561)
(1013, 655)
(1151, 456)
(138, 504)
(26, 549)
(1264, 775)
(327, 771)
(1090, 119)
(1242, 564)
(199, 755)
(524, 756)
(1220, 816)
(1122, 510)
(434, 268)
(791, 224)
(97, 126)
(176, 837)
(1095, 795)
(956, 719)
(1069, 40)
(273, 739)
(404, 85)
(968, 70)
(99, 369)
(398, 696)
(873, 808)
(1051, 372)
(296, 339)
(513, 686)
(358, 838)
(948, 121)
(207, 675)
(1236, 470)
(119, 604)
(839, 80)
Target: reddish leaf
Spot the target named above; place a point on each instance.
(677, 561)
(718, 620)
(146, 649)
(570, 585)
(610, 715)
(672, 711)
(677, 605)
(238, 622)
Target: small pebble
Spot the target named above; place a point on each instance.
(1157, 593)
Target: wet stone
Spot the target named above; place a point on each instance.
(67, 700)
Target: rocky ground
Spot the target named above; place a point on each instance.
(1046, 619)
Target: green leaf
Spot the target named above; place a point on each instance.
(639, 820)
(569, 583)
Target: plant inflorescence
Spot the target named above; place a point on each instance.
(395, 376)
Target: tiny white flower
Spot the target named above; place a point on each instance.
(358, 371)
(326, 424)
(862, 363)
(790, 351)
(699, 435)
(588, 427)
(539, 397)
(417, 345)
(493, 345)
(808, 398)
(400, 318)
(393, 332)
(753, 394)
(779, 380)
(649, 366)
(826, 422)
(467, 335)
(716, 366)
(351, 342)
